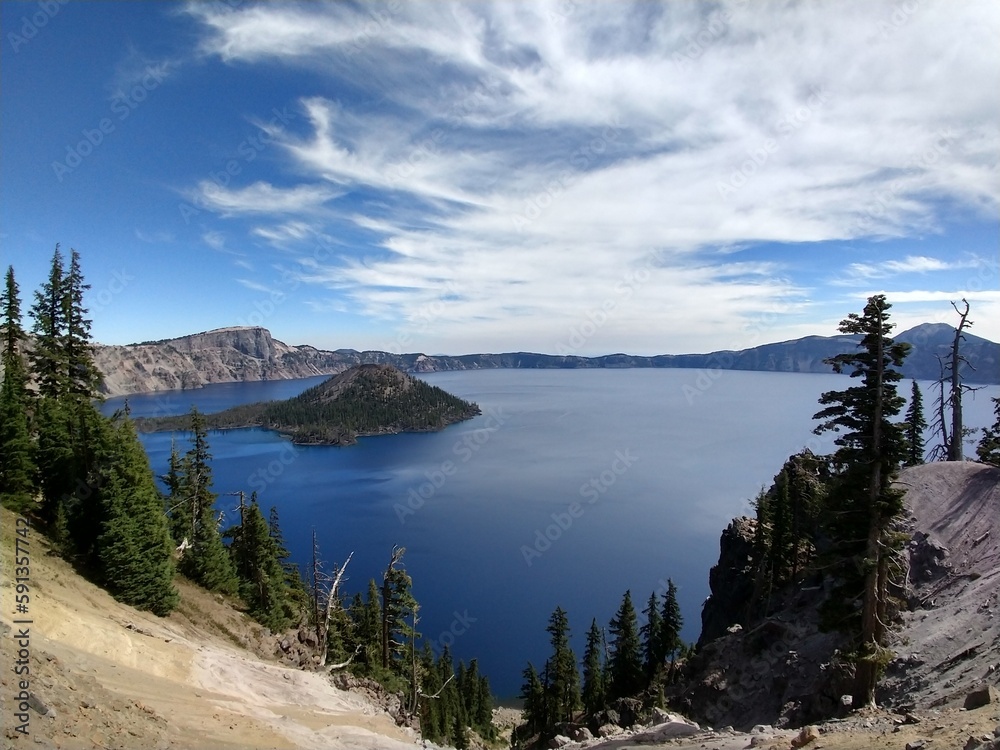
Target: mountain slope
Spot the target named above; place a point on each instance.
(115, 677)
(363, 400)
(237, 354)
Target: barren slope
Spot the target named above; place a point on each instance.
(119, 678)
(952, 641)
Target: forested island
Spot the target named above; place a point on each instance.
(361, 401)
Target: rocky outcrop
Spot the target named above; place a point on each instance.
(236, 354)
(731, 581)
(781, 668)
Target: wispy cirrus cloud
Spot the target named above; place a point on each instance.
(534, 156)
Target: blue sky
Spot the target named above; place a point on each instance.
(566, 176)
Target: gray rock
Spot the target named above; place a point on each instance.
(609, 730)
(916, 745)
(581, 734)
(980, 697)
(559, 741)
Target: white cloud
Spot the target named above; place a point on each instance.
(262, 198)
(535, 156)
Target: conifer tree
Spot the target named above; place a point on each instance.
(262, 579)
(594, 678)
(135, 547)
(17, 466)
(397, 604)
(625, 663)
(48, 358)
(671, 623)
(864, 503)
(83, 377)
(915, 426)
(652, 632)
(563, 684)
(206, 561)
(988, 450)
(533, 694)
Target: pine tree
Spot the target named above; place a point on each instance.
(533, 695)
(594, 677)
(671, 623)
(865, 505)
(625, 663)
(262, 579)
(563, 684)
(206, 561)
(915, 426)
(397, 604)
(17, 466)
(48, 359)
(651, 632)
(988, 450)
(135, 547)
(83, 377)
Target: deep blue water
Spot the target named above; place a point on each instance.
(573, 486)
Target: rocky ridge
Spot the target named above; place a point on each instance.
(238, 354)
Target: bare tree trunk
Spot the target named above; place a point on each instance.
(955, 451)
(330, 600)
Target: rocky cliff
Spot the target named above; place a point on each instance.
(236, 354)
(782, 668)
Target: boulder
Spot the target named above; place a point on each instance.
(807, 735)
(980, 697)
(609, 730)
(581, 734)
(559, 741)
(666, 731)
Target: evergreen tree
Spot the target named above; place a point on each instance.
(397, 604)
(671, 623)
(563, 684)
(206, 561)
(17, 466)
(83, 377)
(594, 678)
(48, 358)
(780, 548)
(652, 632)
(915, 426)
(625, 663)
(533, 693)
(988, 450)
(262, 579)
(864, 503)
(135, 547)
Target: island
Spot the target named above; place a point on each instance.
(363, 400)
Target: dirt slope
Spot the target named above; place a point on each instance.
(951, 643)
(119, 678)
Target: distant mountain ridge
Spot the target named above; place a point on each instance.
(236, 354)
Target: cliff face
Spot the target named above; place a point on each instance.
(228, 355)
(225, 355)
(781, 668)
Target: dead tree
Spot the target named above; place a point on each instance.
(951, 448)
(326, 597)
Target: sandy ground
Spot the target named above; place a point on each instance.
(119, 678)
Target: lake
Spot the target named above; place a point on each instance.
(571, 487)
